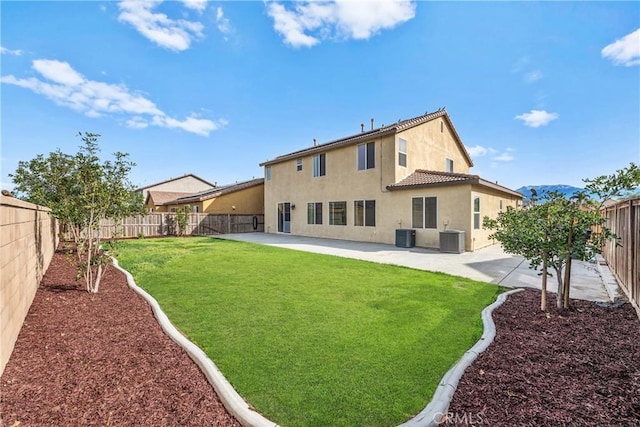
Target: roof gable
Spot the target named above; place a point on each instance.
(392, 129)
(176, 179)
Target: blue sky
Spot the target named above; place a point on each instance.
(540, 92)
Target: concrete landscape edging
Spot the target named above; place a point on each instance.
(435, 412)
(432, 415)
(232, 401)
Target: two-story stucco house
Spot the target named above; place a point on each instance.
(413, 174)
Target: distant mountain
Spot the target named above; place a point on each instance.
(567, 190)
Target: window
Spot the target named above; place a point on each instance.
(267, 173)
(402, 152)
(365, 213)
(476, 213)
(299, 165)
(172, 210)
(500, 204)
(449, 165)
(314, 213)
(320, 165)
(441, 126)
(338, 213)
(195, 208)
(424, 212)
(367, 156)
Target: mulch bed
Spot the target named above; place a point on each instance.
(102, 359)
(572, 368)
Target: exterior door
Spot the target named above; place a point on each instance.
(284, 217)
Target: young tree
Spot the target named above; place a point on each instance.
(182, 220)
(554, 232)
(81, 192)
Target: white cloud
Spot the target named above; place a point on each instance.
(533, 76)
(624, 51)
(537, 118)
(345, 19)
(197, 5)
(506, 156)
(5, 51)
(66, 87)
(479, 151)
(59, 72)
(159, 28)
(224, 25)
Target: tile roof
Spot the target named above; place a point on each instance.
(162, 197)
(424, 178)
(216, 192)
(400, 126)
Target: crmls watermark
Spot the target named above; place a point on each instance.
(458, 419)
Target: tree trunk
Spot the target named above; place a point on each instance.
(567, 270)
(567, 283)
(543, 297)
(559, 298)
(98, 277)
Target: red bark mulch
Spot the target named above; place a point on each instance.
(573, 368)
(101, 359)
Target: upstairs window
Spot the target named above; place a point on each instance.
(402, 152)
(267, 173)
(195, 208)
(299, 165)
(476, 213)
(367, 156)
(449, 165)
(365, 213)
(320, 165)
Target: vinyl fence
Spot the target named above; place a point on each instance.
(624, 261)
(164, 224)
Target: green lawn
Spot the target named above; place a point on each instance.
(309, 339)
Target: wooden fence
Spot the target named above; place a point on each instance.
(624, 261)
(164, 224)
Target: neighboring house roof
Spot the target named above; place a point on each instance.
(176, 179)
(424, 178)
(400, 126)
(162, 197)
(216, 192)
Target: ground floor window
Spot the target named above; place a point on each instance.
(424, 212)
(364, 213)
(314, 213)
(338, 213)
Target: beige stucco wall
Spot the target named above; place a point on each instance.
(427, 148)
(248, 201)
(342, 182)
(28, 238)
